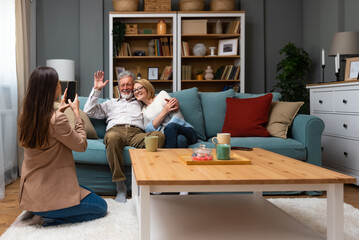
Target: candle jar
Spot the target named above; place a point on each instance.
(161, 27)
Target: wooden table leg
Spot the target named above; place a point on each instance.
(145, 212)
(335, 212)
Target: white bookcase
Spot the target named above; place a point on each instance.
(139, 41)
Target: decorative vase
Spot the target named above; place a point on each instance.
(199, 49)
(161, 27)
(209, 73)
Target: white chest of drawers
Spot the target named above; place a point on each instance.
(337, 104)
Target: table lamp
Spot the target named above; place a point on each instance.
(65, 68)
(346, 44)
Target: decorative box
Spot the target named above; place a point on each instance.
(194, 26)
(157, 5)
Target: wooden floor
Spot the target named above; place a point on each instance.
(9, 207)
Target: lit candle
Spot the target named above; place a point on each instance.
(323, 58)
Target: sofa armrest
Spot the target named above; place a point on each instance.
(308, 130)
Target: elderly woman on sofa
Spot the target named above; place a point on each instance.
(161, 114)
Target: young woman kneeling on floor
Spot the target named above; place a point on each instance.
(49, 190)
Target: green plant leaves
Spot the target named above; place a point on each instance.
(291, 72)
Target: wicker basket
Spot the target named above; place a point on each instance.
(191, 5)
(222, 5)
(157, 5)
(125, 5)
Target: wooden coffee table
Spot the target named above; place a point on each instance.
(164, 171)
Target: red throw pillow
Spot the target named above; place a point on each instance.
(247, 117)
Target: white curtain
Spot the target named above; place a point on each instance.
(8, 96)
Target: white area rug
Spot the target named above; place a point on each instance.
(121, 222)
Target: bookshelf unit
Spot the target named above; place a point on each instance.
(144, 21)
(139, 41)
(211, 39)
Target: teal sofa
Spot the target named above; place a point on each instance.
(206, 112)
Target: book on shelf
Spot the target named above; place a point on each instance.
(167, 73)
(163, 46)
(236, 77)
(227, 72)
(218, 74)
(125, 50)
(171, 46)
(233, 27)
(233, 73)
(185, 49)
(186, 72)
(224, 74)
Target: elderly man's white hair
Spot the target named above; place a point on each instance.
(127, 73)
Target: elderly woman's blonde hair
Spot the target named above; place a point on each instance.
(149, 87)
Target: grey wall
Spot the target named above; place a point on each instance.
(321, 20)
(78, 30)
(71, 29)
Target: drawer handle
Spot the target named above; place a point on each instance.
(320, 101)
(346, 154)
(345, 101)
(345, 126)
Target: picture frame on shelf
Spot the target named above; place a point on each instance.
(118, 71)
(228, 47)
(152, 73)
(352, 69)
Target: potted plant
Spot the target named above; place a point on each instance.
(118, 34)
(292, 69)
(199, 74)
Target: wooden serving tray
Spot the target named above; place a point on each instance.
(235, 160)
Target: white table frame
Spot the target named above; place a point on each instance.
(335, 200)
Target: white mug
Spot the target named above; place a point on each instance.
(222, 138)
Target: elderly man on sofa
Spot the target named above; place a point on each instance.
(124, 125)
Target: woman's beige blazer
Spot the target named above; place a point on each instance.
(48, 176)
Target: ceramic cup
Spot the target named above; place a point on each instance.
(222, 138)
(151, 143)
(223, 151)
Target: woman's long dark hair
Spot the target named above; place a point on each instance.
(37, 108)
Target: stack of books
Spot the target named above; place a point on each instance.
(227, 72)
(186, 72)
(164, 46)
(234, 27)
(125, 50)
(167, 73)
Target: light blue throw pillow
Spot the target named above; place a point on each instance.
(190, 106)
(214, 110)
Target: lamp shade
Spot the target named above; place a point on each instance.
(345, 43)
(64, 67)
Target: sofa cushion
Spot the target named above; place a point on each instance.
(89, 128)
(287, 147)
(276, 95)
(96, 153)
(190, 105)
(247, 117)
(214, 110)
(281, 116)
(98, 124)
